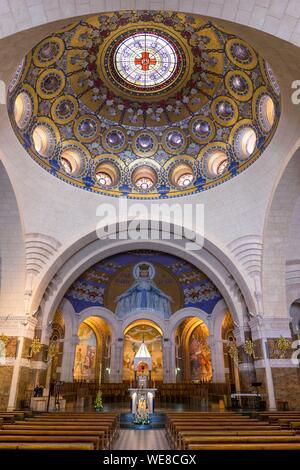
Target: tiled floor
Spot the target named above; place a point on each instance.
(142, 440)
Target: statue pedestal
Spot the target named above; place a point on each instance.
(137, 393)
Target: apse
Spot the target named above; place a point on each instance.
(144, 104)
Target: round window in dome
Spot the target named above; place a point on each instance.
(181, 175)
(245, 143)
(216, 163)
(144, 178)
(266, 113)
(145, 59)
(107, 174)
(71, 162)
(43, 140)
(22, 110)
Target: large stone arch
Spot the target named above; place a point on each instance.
(216, 263)
(276, 235)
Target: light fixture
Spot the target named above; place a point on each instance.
(71, 161)
(216, 163)
(144, 178)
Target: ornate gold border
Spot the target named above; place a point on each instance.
(233, 93)
(148, 153)
(217, 118)
(54, 59)
(69, 119)
(212, 126)
(80, 137)
(236, 62)
(49, 96)
(111, 149)
(169, 149)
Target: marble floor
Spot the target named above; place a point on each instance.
(152, 439)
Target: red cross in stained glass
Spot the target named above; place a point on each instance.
(144, 61)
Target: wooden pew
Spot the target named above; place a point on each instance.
(174, 423)
(245, 446)
(199, 440)
(99, 435)
(48, 439)
(174, 434)
(109, 424)
(46, 446)
(181, 435)
(66, 428)
(97, 430)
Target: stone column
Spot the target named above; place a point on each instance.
(25, 328)
(217, 359)
(265, 332)
(67, 367)
(167, 348)
(116, 366)
(15, 376)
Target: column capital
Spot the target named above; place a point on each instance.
(18, 325)
(239, 334)
(267, 327)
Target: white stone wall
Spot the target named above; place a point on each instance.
(12, 279)
(277, 17)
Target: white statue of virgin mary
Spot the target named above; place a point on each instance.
(143, 294)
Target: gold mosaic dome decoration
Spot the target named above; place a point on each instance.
(144, 104)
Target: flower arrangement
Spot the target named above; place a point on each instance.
(36, 345)
(233, 352)
(98, 404)
(51, 350)
(249, 348)
(4, 339)
(142, 418)
(283, 344)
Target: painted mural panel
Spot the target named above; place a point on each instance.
(167, 284)
(85, 355)
(199, 355)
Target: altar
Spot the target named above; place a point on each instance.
(142, 393)
(142, 398)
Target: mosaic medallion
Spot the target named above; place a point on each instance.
(174, 141)
(86, 128)
(48, 52)
(64, 109)
(50, 83)
(114, 139)
(145, 144)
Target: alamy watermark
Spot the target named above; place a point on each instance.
(296, 93)
(127, 220)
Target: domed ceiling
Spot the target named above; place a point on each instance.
(144, 104)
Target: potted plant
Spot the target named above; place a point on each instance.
(98, 405)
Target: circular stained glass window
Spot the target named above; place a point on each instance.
(146, 60)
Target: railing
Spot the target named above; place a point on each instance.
(194, 394)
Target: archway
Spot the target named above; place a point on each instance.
(192, 351)
(135, 334)
(93, 351)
